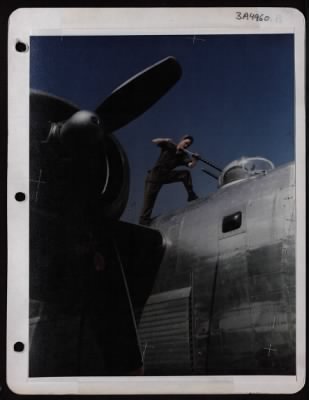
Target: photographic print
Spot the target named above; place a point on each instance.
(162, 205)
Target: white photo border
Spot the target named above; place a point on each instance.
(27, 22)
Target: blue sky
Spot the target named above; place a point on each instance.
(235, 96)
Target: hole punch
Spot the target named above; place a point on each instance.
(21, 47)
(20, 196)
(19, 346)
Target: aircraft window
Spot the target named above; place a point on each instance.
(256, 166)
(231, 222)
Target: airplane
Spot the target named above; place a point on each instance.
(205, 290)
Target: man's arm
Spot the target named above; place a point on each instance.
(160, 141)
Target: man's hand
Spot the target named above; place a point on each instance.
(194, 161)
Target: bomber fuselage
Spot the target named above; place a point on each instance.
(224, 297)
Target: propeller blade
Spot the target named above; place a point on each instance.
(49, 107)
(139, 93)
(44, 109)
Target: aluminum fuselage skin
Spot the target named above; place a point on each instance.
(226, 299)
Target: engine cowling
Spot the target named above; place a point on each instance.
(115, 193)
(78, 164)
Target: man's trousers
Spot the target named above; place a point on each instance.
(153, 185)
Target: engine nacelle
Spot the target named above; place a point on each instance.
(79, 166)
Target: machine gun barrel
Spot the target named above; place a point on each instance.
(209, 173)
(202, 159)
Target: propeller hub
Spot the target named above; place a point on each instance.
(82, 130)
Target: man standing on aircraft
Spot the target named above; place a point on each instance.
(172, 155)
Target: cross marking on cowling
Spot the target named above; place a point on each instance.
(195, 39)
(38, 186)
(269, 349)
